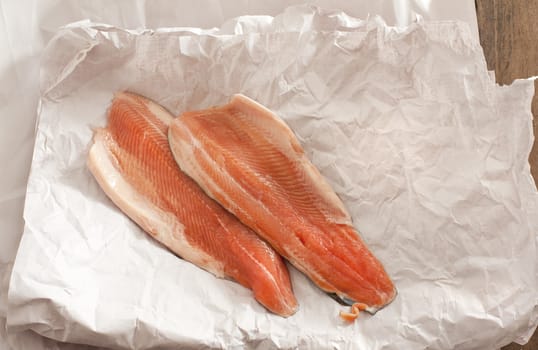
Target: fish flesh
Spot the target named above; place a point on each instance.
(351, 316)
(132, 162)
(247, 158)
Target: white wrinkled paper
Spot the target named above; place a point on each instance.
(23, 36)
(428, 154)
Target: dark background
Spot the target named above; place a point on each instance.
(509, 36)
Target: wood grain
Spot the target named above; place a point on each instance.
(509, 36)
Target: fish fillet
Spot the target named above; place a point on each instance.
(132, 162)
(248, 159)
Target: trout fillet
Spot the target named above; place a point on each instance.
(248, 159)
(132, 162)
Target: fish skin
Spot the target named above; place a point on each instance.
(132, 162)
(249, 160)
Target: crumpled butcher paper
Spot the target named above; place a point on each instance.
(427, 153)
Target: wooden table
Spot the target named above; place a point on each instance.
(509, 35)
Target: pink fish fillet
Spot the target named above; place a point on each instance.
(132, 162)
(249, 160)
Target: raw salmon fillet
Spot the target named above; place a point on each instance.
(249, 160)
(132, 162)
